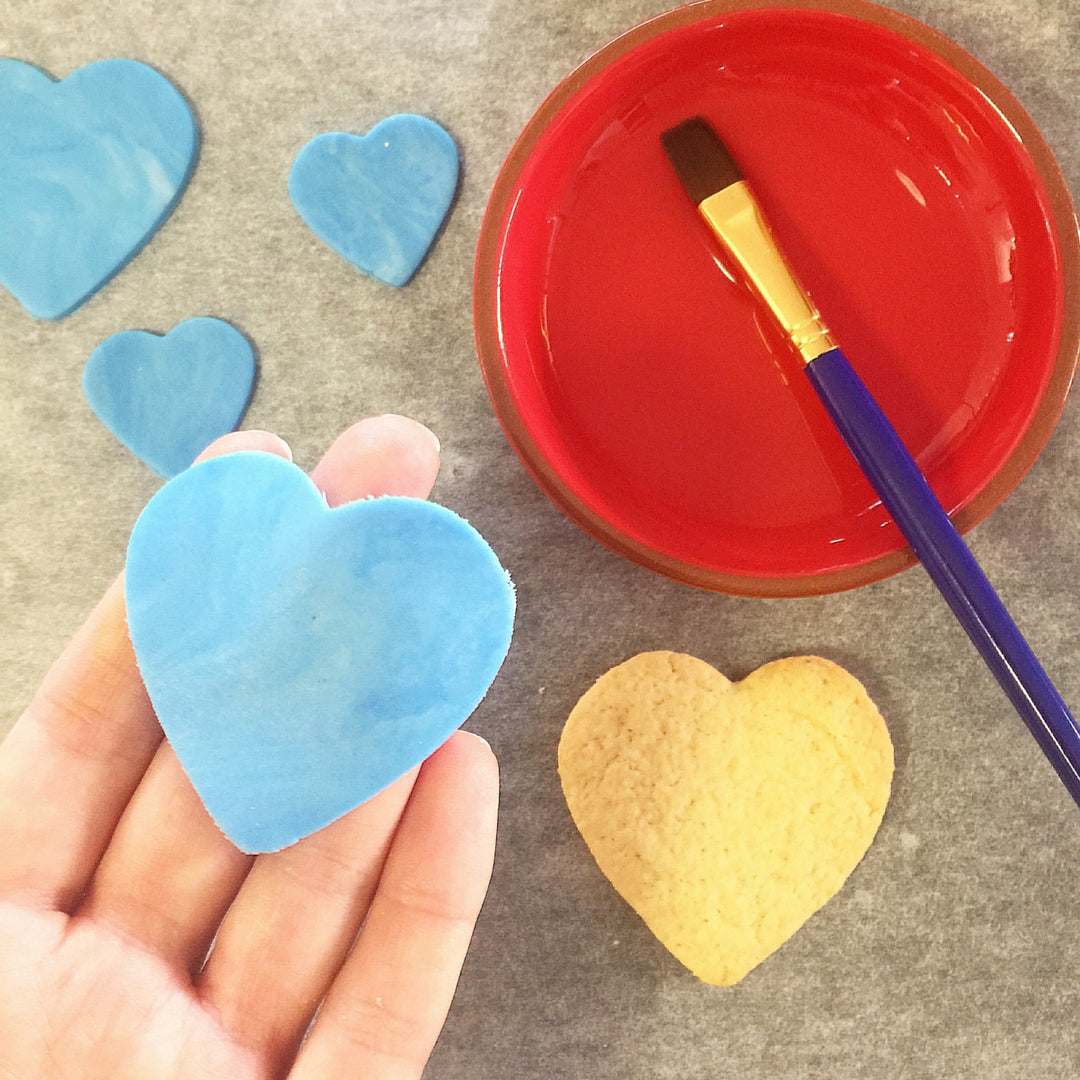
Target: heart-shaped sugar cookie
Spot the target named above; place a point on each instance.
(90, 166)
(166, 398)
(300, 658)
(726, 813)
(378, 199)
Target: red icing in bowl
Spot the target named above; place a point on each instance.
(647, 391)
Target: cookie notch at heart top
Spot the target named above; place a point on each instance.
(724, 813)
(302, 658)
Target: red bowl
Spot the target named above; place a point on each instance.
(639, 382)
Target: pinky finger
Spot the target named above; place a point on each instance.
(387, 1005)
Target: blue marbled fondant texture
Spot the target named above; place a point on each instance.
(166, 398)
(300, 658)
(379, 199)
(90, 166)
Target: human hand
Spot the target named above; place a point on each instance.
(115, 882)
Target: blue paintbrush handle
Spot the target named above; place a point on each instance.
(915, 509)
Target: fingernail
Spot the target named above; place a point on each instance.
(252, 439)
(415, 423)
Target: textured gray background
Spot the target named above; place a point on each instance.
(952, 952)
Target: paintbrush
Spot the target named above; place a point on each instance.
(712, 179)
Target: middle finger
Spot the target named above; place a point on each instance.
(293, 924)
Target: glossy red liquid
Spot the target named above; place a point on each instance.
(652, 381)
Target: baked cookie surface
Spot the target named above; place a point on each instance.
(725, 813)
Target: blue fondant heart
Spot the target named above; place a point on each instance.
(167, 398)
(90, 166)
(379, 199)
(301, 658)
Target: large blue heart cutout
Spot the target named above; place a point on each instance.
(167, 398)
(90, 166)
(379, 199)
(301, 658)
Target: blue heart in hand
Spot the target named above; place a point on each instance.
(379, 199)
(167, 398)
(90, 166)
(300, 658)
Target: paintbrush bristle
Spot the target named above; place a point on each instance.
(701, 161)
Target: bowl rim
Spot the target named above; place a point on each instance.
(487, 336)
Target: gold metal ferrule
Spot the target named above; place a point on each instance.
(733, 214)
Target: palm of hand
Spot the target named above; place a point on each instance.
(79, 994)
(137, 942)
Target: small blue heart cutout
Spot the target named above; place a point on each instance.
(301, 658)
(90, 166)
(167, 398)
(378, 199)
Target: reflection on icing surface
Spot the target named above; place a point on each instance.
(910, 186)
